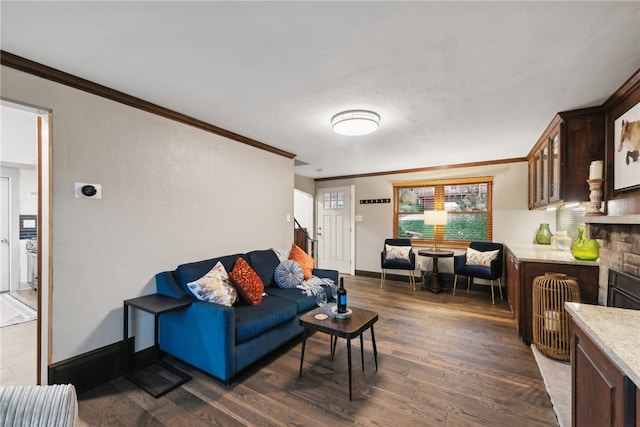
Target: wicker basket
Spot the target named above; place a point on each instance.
(551, 323)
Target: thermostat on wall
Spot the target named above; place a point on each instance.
(88, 191)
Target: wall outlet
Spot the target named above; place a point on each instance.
(419, 265)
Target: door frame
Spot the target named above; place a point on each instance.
(352, 227)
(45, 200)
(14, 231)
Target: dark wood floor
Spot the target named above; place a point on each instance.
(443, 361)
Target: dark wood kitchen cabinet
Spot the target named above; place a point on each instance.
(559, 161)
(601, 395)
(520, 275)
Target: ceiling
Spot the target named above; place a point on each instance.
(454, 82)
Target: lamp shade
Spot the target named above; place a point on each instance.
(435, 217)
(355, 122)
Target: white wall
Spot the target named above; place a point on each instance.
(170, 194)
(512, 221)
(19, 150)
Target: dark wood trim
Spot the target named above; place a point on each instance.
(428, 168)
(619, 95)
(97, 367)
(25, 65)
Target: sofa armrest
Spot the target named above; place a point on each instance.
(166, 284)
(326, 274)
(202, 335)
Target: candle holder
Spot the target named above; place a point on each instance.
(595, 197)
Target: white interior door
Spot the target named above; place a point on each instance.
(5, 260)
(334, 228)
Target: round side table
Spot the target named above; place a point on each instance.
(435, 254)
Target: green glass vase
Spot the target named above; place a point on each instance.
(585, 249)
(543, 236)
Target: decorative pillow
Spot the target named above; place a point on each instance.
(247, 282)
(215, 287)
(289, 274)
(283, 254)
(397, 252)
(305, 261)
(475, 257)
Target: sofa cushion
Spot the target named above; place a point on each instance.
(303, 302)
(194, 270)
(247, 282)
(264, 263)
(288, 274)
(254, 320)
(215, 287)
(306, 262)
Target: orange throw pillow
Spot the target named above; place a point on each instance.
(301, 257)
(247, 282)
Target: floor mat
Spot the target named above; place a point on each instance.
(13, 311)
(557, 381)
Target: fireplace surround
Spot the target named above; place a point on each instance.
(624, 290)
(619, 258)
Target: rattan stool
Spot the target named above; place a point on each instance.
(551, 323)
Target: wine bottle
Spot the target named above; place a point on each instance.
(342, 297)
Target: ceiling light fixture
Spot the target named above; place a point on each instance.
(355, 122)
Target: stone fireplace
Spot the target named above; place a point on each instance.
(619, 239)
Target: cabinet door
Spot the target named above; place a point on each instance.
(513, 288)
(601, 394)
(533, 196)
(555, 163)
(542, 175)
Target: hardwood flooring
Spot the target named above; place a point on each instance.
(18, 354)
(18, 346)
(443, 361)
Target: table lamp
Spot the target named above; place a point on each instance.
(435, 218)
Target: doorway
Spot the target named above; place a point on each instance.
(335, 227)
(25, 196)
(5, 255)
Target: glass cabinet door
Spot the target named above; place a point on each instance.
(533, 197)
(542, 178)
(554, 168)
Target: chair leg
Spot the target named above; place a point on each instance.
(412, 279)
(384, 273)
(493, 300)
(500, 287)
(468, 283)
(455, 283)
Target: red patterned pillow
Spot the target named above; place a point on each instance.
(306, 262)
(247, 282)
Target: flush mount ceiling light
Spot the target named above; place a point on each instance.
(355, 122)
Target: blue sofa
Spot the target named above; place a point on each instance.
(221, 340)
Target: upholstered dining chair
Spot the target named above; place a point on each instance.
(397, 254)
(482, 260)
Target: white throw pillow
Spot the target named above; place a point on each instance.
(398, 252)
(475, 257)
(215, 286)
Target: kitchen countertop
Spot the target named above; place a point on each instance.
(615, 330)
(544, 253)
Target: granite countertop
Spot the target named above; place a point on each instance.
(544, 253)
(615, 330)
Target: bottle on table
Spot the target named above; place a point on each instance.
(342, 297)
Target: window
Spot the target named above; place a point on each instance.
(334, 200)
(468, 206)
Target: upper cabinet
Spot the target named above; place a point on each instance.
(559, 161)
